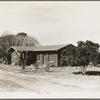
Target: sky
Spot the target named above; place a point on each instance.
(52, 22)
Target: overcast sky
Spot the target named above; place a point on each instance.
(52, 22)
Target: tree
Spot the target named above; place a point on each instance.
(81, 55)
(97, 58)
(90, 49)
(86, 52)
(26, 41)
(2, 53)
(22, 34)
(68, 56)
(23, 59)
(7, 41)
(21, 39)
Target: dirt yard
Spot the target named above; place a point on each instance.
(61, 80)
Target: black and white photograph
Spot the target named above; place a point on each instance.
(49, 49)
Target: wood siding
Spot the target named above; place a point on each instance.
(44, 59)
(15, 58)
(56, 59)
(41, 59)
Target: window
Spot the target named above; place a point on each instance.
(50, 57)
(38, 57)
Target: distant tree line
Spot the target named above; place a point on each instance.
(82, 55)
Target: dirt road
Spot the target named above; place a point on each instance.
(61, 81)
(15, 82)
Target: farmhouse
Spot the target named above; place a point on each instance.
(36, 55)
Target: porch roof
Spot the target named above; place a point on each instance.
(39, 48)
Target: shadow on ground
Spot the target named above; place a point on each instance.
(89, 73)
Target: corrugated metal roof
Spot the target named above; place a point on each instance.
(22, 48)
(49, 47)
(40, 48)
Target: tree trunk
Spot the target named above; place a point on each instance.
(23, 64)
(47, 68)
(61, 63)
(83, 69)
(23, 67)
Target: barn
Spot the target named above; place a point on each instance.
(36, 55)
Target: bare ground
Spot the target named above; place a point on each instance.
(65, 79)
